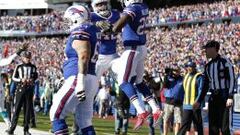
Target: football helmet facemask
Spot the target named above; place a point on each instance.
(101, 7)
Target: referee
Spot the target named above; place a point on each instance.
(219, 80)
(24, 75)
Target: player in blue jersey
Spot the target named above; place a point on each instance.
(107, 46)
(79, 89)
(130, 66)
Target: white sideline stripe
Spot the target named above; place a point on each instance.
(19, 130)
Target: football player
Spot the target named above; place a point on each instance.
(107, 45)
(130, 66)
(79, 89)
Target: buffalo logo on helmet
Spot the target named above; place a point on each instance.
(75, 10)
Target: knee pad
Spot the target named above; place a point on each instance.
(88, 131)
(143, 89)
(128, 89)
(59, 127)
(4, 114)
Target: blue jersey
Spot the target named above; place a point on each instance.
(133, 32)
(107, 45)
(83, 32)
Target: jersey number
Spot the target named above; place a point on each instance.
(95, 54)
(109, 37)
(141, 27)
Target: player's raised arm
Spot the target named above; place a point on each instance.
(7, 61)
(129, 14)
(117, 27)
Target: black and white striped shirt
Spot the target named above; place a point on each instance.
(219, 73)
(25, 71)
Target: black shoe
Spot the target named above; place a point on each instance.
(9, 132)
(117, 133)
(27, 133)
(33, 125)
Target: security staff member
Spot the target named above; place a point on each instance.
(193, 85)
(220, 80)
(24, 75)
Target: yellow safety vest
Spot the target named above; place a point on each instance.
(115, 85)
(189, 85)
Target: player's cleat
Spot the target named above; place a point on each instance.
(156, 117)
(140, 120)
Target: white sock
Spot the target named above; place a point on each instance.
(153, 105)
(139, 107)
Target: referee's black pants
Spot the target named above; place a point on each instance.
(24, 96)
(218, 115)
(32, 116)
(190, 116)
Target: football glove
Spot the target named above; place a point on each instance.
(105, 26)
(81, 95)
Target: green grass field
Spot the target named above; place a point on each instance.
(102, 126)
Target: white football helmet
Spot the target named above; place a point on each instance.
(76, 15)
(128, 2)
(104, 9)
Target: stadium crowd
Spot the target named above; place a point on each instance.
(54, 20)
(50, 51)
(167, 47)
(194, 12)
(44, 23)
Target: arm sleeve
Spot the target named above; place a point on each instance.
(200, 86)
(36, 89)
(80, 35)
(230, 70)
(12, 88)
(131, 12)
(35, 77)
(205, 87)
(7, 61)
(15, 76)
(182, 93)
